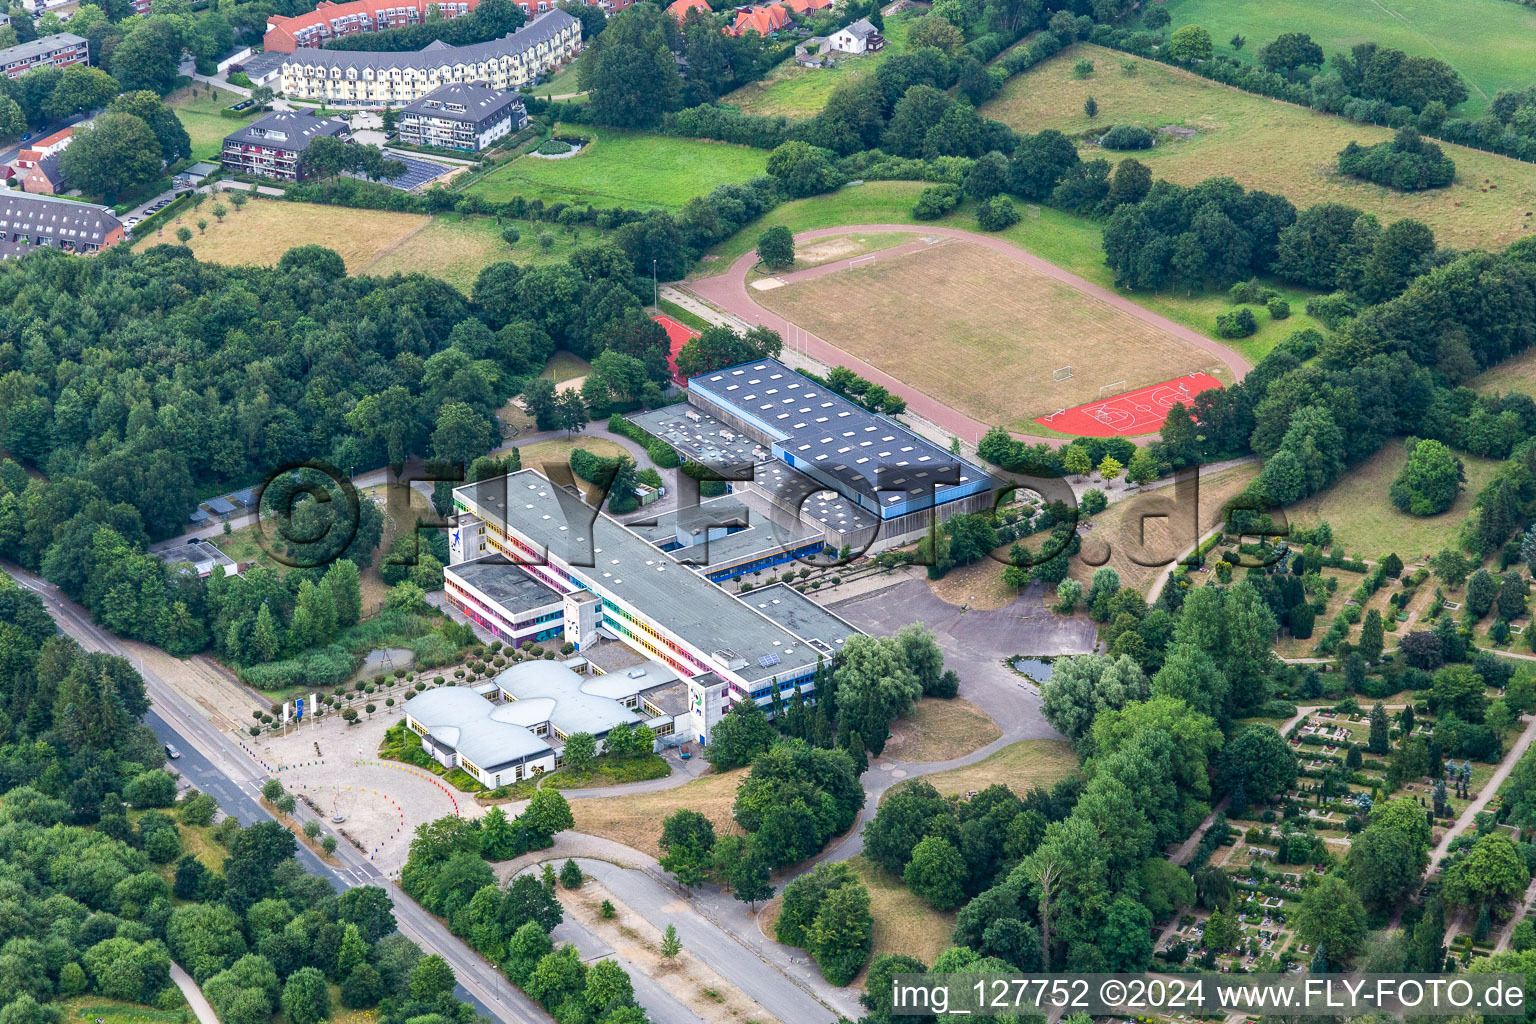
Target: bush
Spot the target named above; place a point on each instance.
(1239, 323)
(935, 201)
(1279, 309)
(1126, 136)
(997, 214)
(1332, 310)
(1405, 162)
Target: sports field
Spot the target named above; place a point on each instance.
(794, 91)
(1128, 413)
(624, 169)
(1262, 143)
(1487, 41)
(934, 316)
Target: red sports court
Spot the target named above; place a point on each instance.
(1135, 412)
(678, 335)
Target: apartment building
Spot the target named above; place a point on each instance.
(465, 116)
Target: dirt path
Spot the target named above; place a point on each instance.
(730, 292)
(1490, 787)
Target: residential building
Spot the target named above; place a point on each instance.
(44, 177)
(680, 8)
(807, 6)
(49, 145)
(462, 115)
(29, 222)
(58, 50)
(367, 78)
(271, 146)
(332, 20)
(884, 471)
(763, 19)
(859, 37)
(516, 727)
(617, 585)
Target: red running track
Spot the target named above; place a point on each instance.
(729, 291)
(678, 335)
(1135, 412)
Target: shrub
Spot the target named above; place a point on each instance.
(935, 201)
(1405, 162)
(1279, 309)
(997, 214)
(1239, 323)
(1126, 136)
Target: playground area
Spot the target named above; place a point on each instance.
(1133, 412)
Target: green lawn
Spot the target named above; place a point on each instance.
(794, 91)
(563, 84)
(1487, 41)
(198, 111)
(1071, 242)
(631, 169)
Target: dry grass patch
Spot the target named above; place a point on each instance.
(1368, 525)
(1020, 766)
(1518, 373)
(557, 453)
(636, 820)
(978, 585)
(264, 229)
(1262, 143)
(933, 317)
(822, 251)
(903, 923)
(940, 730)
(1152, 528)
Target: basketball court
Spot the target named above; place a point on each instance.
(1134, 412)
(678, 335)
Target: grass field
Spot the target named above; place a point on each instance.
(837, 247)
(903, 923)
(794, 91)
(625, 169)
(1514, 374)
(1261, 143)
(636, 820)
(563, 366)
(113, 1011)
(1487, 41)
(563, 84)
(932, 316)
(1366, 522)
(1020, 766)
(197, 108)
(1073, 243)
(456, 248)
(940, 730)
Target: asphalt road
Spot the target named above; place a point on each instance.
(210, 761)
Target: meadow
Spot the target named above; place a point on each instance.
(1487, 41)
(1071, 242)
(631, 169)
(797, 92)
(930, 317)
(1262, 143)
(1369, 526)
(197, 108)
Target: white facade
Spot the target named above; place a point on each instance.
(363, 78)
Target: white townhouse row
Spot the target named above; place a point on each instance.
(369, 78)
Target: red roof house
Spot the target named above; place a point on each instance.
(763, 20)
(680, 9)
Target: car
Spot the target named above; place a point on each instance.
(26, 137)
(131, 221)
(172, 752)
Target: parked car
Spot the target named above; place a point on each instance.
(171, 752)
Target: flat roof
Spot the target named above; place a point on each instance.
(815, 503)
(820, 428)
(39, 47)
(802, 616)
(506, 584)
(632, 570)
(699, 437)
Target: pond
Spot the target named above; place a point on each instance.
(1037, 669)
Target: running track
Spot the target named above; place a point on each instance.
(729, 291)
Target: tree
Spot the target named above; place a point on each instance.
(570, 875)
(1331, 915)
(1189, 44)
(580, 752)
(547, 813)
(114, 155)
(1290, 52)
(1259, 760)
(370, 908)
(841, 935)
(687, 840)
(608, 987)
(1372, 636)
(462, 434)
(1090, 107)
(739, 737)
(1429, 480)
(749, 880)
(1493, 872)
(1221, 930)
(936, 873)
(671, 945)
(306, 1000)
(803, 170)
(629, 72)
(1451, 567)
(776, 248)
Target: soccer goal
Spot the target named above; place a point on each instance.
(1108, 387)
(862, 259)
(1062, 374)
